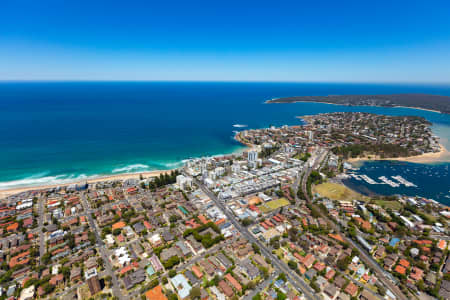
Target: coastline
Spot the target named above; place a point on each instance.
(427, 158)
(433, 157)
(324, 102)
(123, 176)
(413, 107)
(120, 176)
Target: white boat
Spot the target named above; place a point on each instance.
(368, 179)
(388, 181)
(355, 176)
(240, 125)
(404, 181)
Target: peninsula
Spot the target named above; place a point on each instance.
(421, 101)
(271, 220)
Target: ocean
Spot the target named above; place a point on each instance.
(55, 132)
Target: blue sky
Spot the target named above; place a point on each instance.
(325, 41)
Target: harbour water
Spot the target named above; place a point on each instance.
(53, 132)
(403, 178)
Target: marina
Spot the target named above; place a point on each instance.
(384, 180)
(404, 181)
(368, 179)
(353, 175)
(430, 181)
(388, 181)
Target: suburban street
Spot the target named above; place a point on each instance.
(103, 252)
(281, 267)
(40, 229)
(260, 287)
(367, 259)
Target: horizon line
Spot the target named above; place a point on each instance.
(443, 83)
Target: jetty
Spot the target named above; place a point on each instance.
(388, 181)
(404, 181)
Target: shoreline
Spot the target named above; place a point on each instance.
(427, 158)
(123, 176)
(413, 107)
(324, 102)
(120, 176)
(432, 157)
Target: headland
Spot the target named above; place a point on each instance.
(434, 103)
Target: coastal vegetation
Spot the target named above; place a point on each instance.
(381, 150)
(164, 179)
(423, 101)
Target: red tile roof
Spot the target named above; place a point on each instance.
(197, 272)
(399, 269)
(118, 225)
(155, 294)
(20, 259)
(233, 282)
(404, 263)
(351, 289)
(13, 227)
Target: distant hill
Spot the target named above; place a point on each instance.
(423, 101)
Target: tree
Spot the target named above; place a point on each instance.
(282, 276)
(281, 296)
(292, 264)
(256, 248)
(314, 286)
(390, 249)
(246, 222)
(48, 288)
(381, 290)
(66, 272)
(70, 240)
(195, 293)
(46, 258)
(91, 237)
(153, 283)
(257, 297)
(343, 263)
(264, 271)
(300, 193)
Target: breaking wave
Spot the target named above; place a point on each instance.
(131, 168)
(43, 179)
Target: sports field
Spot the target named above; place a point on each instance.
(336, 191)
(274, 204)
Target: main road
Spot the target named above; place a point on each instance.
(281, 267)
(366, 258)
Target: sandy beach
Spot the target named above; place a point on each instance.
(426, 109)
(9, 192)
(338, 104)
(433, 157)
(123, 176)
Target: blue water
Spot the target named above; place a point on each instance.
(431, 180)
(51, 132)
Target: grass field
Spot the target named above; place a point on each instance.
(336, 191)
(394, 205)
(274, 204)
